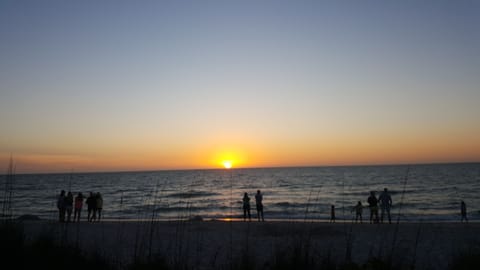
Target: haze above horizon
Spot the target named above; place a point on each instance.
(109, 86)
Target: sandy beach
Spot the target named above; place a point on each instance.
(217, 244)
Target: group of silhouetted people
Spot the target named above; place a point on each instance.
(259, 205)
(385, 202)
(66, 204)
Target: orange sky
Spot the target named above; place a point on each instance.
(253, 154)
(184, 85)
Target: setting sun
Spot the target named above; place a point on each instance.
(227, 157)
(227, 164)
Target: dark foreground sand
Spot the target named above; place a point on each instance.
(215, 244)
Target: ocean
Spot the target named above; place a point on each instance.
(419, 192)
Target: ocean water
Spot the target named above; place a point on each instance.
(419, 192)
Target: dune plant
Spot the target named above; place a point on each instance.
(7, 207)
(43, 252)
(397, 225)
(466, 259)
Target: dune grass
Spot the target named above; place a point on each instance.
(293, 252)
(42, 253)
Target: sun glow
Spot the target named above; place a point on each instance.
(228, 158)
(227, 164)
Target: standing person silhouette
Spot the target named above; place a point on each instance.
(99, 205)
(78, 207)
(61, 206)
(463, 211)
(69, 205)
(91, 205)
(373, 204)
(246, 207)
(332, 213)
(358, 211)
(386, 203)
(259, 203)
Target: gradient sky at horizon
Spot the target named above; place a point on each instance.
(144, 85)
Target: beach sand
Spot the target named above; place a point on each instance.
(217, 244)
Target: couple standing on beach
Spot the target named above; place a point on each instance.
(259, 204)
(94, 206)
(385, 201)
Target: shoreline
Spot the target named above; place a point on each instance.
(31, 218)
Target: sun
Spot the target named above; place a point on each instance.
(227, 164)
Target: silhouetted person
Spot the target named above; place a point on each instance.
(69, 205)
(386, 203)
(463, 211)
(78, 207)
(332, 213)
(373, 205)
(99, 205)
(246, 207)
(358, 211)
(61, 206)
(259, 204)
(91, 206)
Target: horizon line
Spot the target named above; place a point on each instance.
(72, 172)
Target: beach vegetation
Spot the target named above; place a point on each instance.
(157, 262)
(22, 251)
(299, 258)
(466, 260)
(43, 252)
